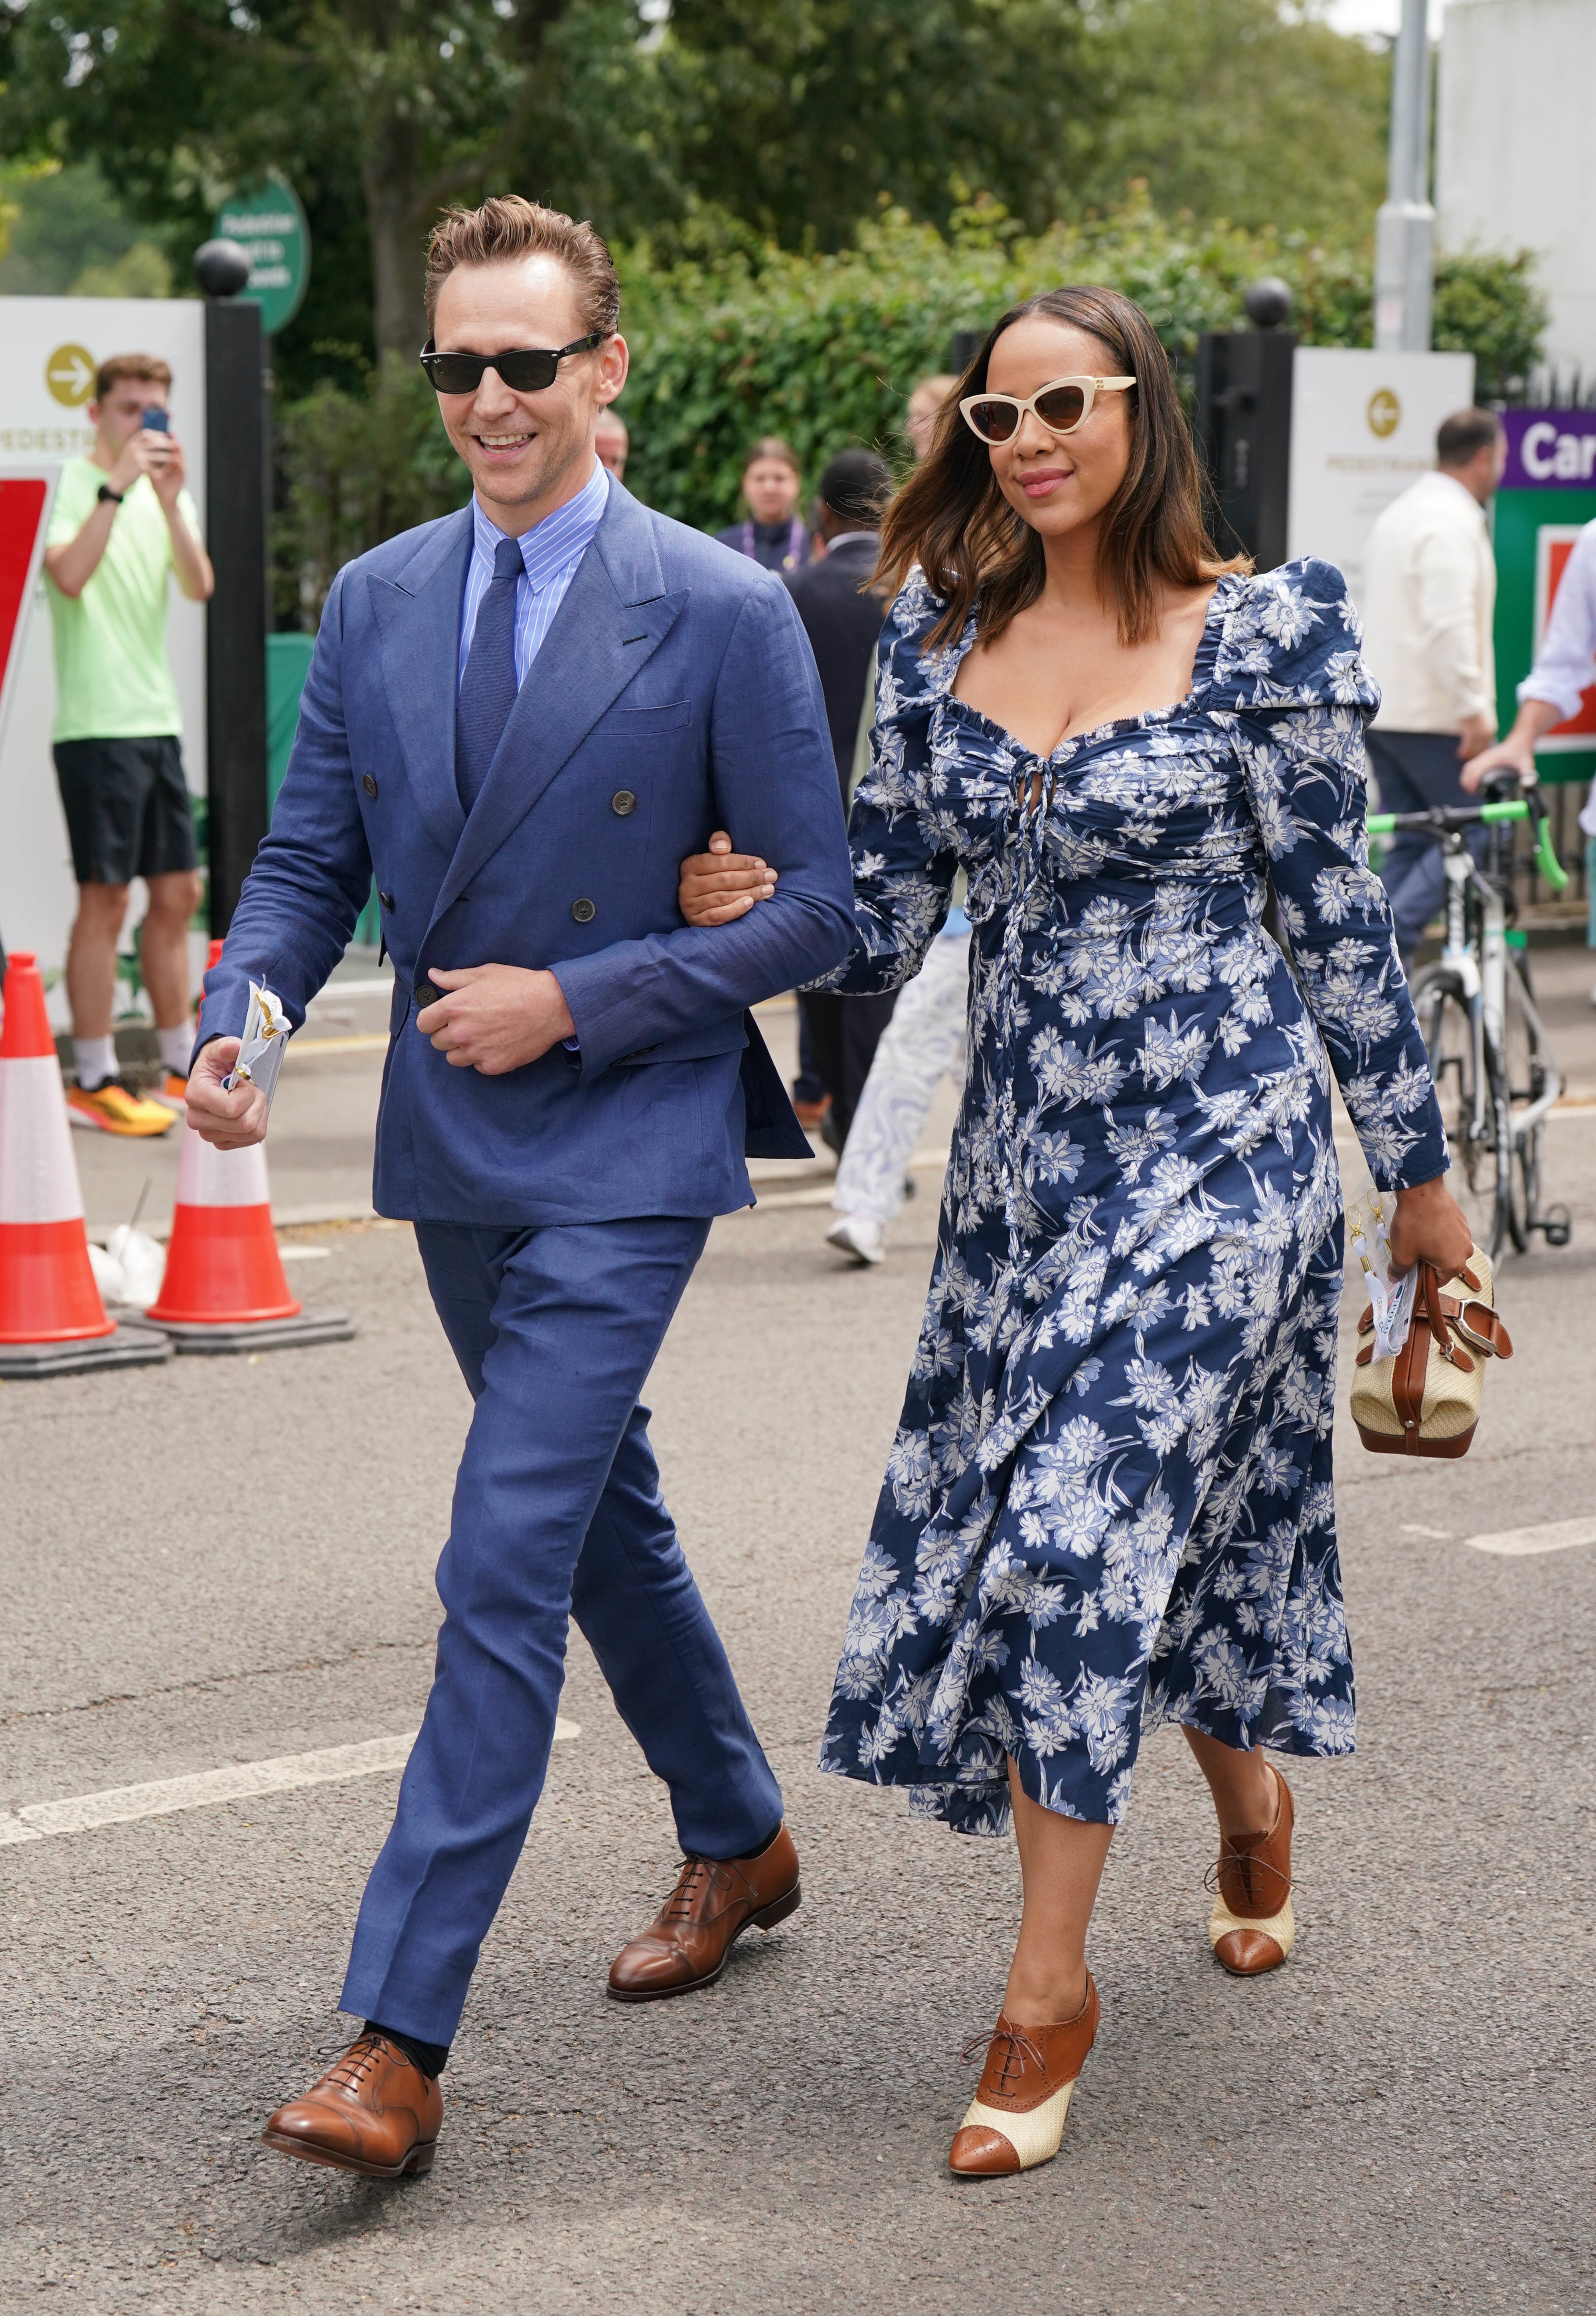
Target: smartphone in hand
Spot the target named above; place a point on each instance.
(157, 421)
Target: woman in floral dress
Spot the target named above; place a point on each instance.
(1109, 1502)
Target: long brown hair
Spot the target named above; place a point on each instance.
(952, 519)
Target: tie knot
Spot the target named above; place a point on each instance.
(507, 559)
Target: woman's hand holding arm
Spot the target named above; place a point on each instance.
(719, 886)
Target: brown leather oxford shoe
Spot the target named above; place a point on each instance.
(1252, 1926)
(374, 2112)
(712, 1904)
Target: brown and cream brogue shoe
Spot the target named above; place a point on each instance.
(1251, 1928)
(374, 2112)
(1015, 2120)
(714, 1902)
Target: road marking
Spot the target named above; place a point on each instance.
(1414, 1527)
(1552, 1535)
(120, 1804)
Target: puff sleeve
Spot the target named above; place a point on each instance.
(902, 843)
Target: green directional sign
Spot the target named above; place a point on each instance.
(268, 224)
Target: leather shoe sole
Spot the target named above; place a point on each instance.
(416, 2164)
(766, 1919)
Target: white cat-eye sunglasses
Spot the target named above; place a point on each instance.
(1062, 407)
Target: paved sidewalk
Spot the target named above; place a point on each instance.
(230, 1561)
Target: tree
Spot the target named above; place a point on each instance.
(721, 124)
(416, 102)
(795, 115)
(1244, 109)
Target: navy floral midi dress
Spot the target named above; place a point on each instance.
(1109, 1502)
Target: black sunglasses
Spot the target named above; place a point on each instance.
(525, 369)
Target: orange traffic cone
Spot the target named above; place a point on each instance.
(52, 1321)
(224, 1288)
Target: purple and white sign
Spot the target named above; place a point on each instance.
(1550, 449)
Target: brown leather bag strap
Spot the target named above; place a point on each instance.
(1478, 1324)
(1412, 1365)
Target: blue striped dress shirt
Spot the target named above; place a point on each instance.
(550, 553)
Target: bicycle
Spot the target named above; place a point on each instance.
(1489, 1053)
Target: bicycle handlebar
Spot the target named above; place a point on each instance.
(1445, 818)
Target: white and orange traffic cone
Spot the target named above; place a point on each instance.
(52, 1321)
(224, 1288)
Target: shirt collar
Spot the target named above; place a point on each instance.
(553, 545)
(1440, 475)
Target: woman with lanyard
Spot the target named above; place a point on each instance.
(773, 533)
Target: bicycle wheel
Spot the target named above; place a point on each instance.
(1447, 1028)
(1526, 1074)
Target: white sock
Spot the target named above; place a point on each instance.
(96, 1060)
(176, 1045)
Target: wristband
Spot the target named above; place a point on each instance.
(105, 492)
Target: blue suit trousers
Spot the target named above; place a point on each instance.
(558, 1512)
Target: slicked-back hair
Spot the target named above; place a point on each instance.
(506, 227)
(1461, 439)
(953, 519)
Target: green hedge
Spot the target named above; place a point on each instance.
(825, 350)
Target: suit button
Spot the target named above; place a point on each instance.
(623, 801)
(387, 901)
(427, 992)
(583, 911)
(368, 784)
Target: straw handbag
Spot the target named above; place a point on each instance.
(1426, 1400)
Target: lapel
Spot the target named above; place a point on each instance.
(615, 616)
(418, 617)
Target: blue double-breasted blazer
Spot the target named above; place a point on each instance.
(675, 693)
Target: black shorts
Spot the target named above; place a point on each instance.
(126, 807)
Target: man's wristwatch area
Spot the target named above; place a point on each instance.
(105, 492)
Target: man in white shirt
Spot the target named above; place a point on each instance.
(1565, 669)
(1428, 599)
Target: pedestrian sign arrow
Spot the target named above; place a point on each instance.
(69, 374)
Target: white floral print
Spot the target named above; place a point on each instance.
(1109, 1502)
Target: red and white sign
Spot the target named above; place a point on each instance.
(24, 512)
(1553, 544)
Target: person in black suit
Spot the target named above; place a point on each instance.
(842, 616)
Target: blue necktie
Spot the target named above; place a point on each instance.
(488, 688)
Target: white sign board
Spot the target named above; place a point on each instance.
(53, 346)
(1362, 429)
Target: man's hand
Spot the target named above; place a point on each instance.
(1512, 754)
(1430, 1226)
(1516, 753)
(167, 474)
(227, 1121)
(720, 885)
(495, 1018)
(1475, 733)
(144, 453)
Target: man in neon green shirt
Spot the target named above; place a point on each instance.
(122, 520)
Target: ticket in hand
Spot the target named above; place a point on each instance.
(1391, 1293)
(266, 1034)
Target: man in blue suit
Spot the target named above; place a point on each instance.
(521, 718)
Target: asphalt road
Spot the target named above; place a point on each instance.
(225, 1561)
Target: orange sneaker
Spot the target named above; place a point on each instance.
(173, 1090)
(114, 1108)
